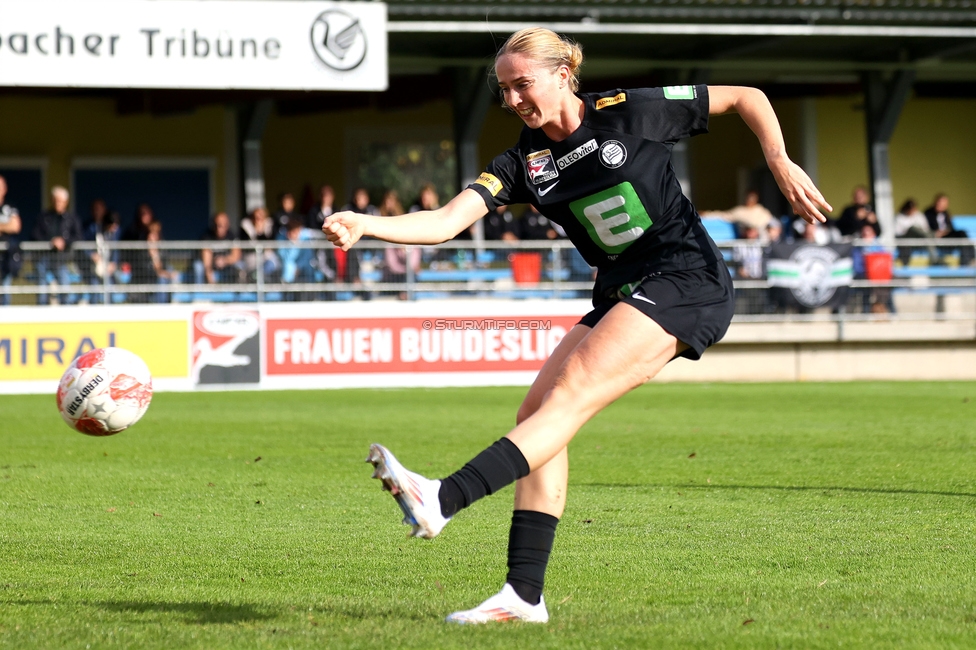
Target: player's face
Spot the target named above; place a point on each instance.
(530, 89)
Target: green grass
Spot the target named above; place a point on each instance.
(700, 516)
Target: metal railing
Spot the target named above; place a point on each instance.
(931, 277)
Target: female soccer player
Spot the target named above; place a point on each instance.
(600, 166)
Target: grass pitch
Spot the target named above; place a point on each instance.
(705, 516)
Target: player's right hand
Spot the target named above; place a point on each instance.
(344, 229)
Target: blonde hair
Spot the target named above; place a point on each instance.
(547, 48)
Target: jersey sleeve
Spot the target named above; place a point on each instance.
(503, 181)
(667, 114)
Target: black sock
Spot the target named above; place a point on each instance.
(486, 473)
(529, 543)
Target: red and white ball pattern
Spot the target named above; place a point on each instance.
(104, 391)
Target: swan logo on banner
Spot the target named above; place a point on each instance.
(339, 40)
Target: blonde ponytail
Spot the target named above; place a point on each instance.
(547, 48)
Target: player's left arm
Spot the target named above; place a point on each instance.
(752, 105)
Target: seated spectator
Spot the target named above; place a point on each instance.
(359, 202)
(89, 259)
(61, 228)
(258, 227)
(820, 234)
(749, 257)
(857, 215)
(286, 212)
(910, 222)
(219, 263)
(138, 230)
(940, 219)
(940, 222)
(875, 300)
(106, 260)
(750, 214)
(297, 263)
(9, 230)
(150, 266)
(773, 233)
(396, 259)
(427, 199)
(500, 225)
(533, 225)
(319, 213)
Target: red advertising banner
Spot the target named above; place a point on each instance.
(316, 346)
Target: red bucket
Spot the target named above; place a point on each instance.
(526, 267)
(878, 266)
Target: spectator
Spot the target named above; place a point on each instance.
(750, 214)
(397, 258)
(819, 234)
(88, 260)
(773, 233)
(297, 262)
(138, 230)
(857, 215)
(255, 228)
(9, 230)
(359, 202)
(427, 199)
(876, 300)
(106, 260)
(318, 214)
(218, 264)
(61, 228)
(910, 222)
(390, 206)
(535, 226)
(940, 220)
(149, 266)
(749, 257)
(500, 225)
(286, 212)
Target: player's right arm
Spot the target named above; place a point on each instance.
(426, 227)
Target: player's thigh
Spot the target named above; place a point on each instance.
(550, 370)
(624, 350)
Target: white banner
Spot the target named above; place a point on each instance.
(215, 44)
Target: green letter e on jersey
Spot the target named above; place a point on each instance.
(614, 218)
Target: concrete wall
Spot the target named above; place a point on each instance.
(826, 351)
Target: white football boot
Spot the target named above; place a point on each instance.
(416, 495)
(506, 605)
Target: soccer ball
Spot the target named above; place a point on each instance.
(104, 391)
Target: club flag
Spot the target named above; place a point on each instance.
(810, 276)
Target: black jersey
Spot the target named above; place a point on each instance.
(611, 185)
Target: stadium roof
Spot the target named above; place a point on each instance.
(764, 40)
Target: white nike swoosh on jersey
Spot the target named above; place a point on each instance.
(644, 298)
(546, 191)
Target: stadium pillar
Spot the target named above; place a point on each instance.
(255, 119)
(884, 100)
(473, 94)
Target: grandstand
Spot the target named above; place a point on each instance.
(881, 94)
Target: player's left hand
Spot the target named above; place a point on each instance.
(799, 190)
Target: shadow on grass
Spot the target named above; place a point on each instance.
(192, 612)
(788, 488)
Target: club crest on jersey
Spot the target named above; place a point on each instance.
(541, 166)
(613, 154)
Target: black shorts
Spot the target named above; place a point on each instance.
(693, 306)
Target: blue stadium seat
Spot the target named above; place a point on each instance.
(966, 223)
(718, 229)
